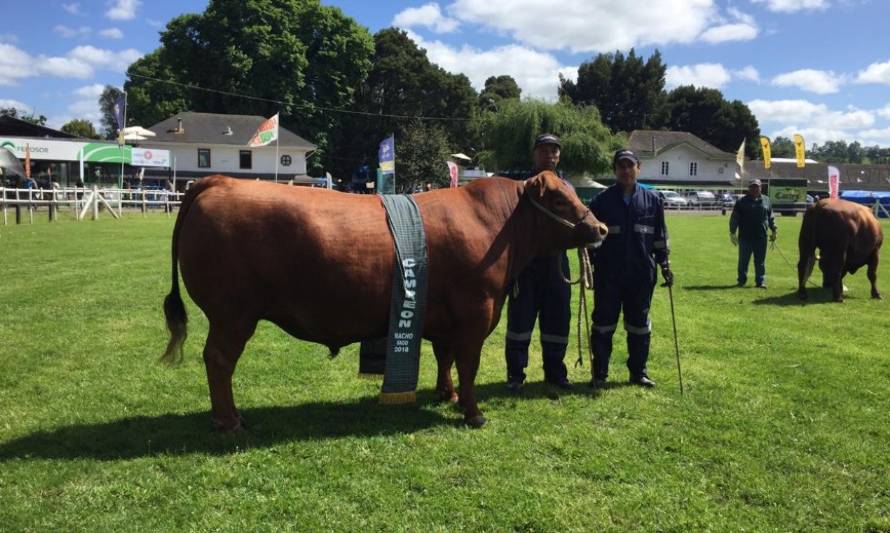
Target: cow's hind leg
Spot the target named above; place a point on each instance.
(224, 346)
(873, 274)
(467, 367)
(445, 360)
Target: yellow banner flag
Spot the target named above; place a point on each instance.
(799, 150)
(767, 152)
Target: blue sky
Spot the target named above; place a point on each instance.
(819, 67)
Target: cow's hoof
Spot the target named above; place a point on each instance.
(475, 421)
(802, 295)
(877, 296)
(447, 396)
(229, 426)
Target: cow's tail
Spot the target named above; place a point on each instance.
(174, 309)
(806, 243)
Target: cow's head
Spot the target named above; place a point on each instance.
(566, 222)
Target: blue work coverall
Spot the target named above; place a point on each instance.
(539, 291)
(625, 273)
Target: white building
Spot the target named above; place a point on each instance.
(202, 144)
(680, 158)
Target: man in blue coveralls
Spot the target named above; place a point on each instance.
(540, 290)
(624, 266)
(752, 215)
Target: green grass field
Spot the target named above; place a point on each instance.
(784, 425)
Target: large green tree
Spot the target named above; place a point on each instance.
(110, 95)
(421, 157)
(498, 88)
(627, 91)
(509, 135)
(782, 147)
(82, 128)
(707, 114)
(403, 84)
(305, 55)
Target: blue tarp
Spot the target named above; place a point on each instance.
(868, 198)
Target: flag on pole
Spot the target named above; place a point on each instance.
(767, 152)
(118, 110)
(740, 161)
(266, 133)
(27, 160)
(799, 150)
(452, 172)
(834, 182)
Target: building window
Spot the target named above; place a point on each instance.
(693, 168)
(286, 160)
(203, 157)
(245, 159)
(665, 168)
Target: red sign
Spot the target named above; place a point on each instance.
(834, 182)
(452, 171)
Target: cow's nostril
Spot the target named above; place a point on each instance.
(603, 230)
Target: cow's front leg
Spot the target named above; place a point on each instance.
(873, 274)
(467, 367)
(224, 346)
(445, 360)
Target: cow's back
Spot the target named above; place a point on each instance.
(846, 226)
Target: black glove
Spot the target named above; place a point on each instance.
(667, 275)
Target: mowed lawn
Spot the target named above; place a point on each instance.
(784, 424)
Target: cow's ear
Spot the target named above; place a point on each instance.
(536, 186)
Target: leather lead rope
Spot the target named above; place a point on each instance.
(585, 280)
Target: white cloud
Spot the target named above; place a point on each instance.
(154, 23)
(816, 122)
(536, 73)
(748, 73)
(112, 33)
(90, 91)
(885, 112)
(791, 6)
(123, 9)
(712, 75)
(741, 27)
(878, 136)
(8, 38)
(68, 32)
(72, 8)
(875, 73)
(427, 15)
(590, 25)
(816, 81)
(15, 104)
(80, 62)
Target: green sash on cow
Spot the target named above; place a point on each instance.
(408, 300)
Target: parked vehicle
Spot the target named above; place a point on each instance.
(672, 199)
(701, 199)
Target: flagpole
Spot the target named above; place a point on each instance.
(276, 153)
(122, 141)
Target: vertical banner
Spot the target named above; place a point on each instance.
(799, 150)
(452, 172)
(834, 182)
(767, 152)
(27, 160)
(119, 110)
(740, 161)
(386, 155)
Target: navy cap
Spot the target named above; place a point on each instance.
(547, 138)
(625, 154)
(755, 182)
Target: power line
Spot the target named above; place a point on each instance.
(279, 102)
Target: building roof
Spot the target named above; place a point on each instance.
(14, 127)
(213, 128)
(651, 143)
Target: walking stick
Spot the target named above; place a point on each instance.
(676, 341)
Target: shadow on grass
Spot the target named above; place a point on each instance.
(814, 296)
(183, 434)
(710, 287)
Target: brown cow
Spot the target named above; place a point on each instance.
(848, 236)
(299, 257)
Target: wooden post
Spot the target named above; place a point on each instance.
(3, 203)
(95, 202)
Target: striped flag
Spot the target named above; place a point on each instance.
(266, 133)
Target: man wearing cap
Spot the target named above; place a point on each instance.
(540, 291)
(625, 271)
(751, 216)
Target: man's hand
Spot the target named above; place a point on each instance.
(733, 239)
(772, 237)
(667, 275)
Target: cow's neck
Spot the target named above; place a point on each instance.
(522, 228)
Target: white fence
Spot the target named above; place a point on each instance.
(82, 202)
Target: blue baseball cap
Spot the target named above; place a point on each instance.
(547, 138)
(625, 154)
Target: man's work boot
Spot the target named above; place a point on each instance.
(642, 380)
